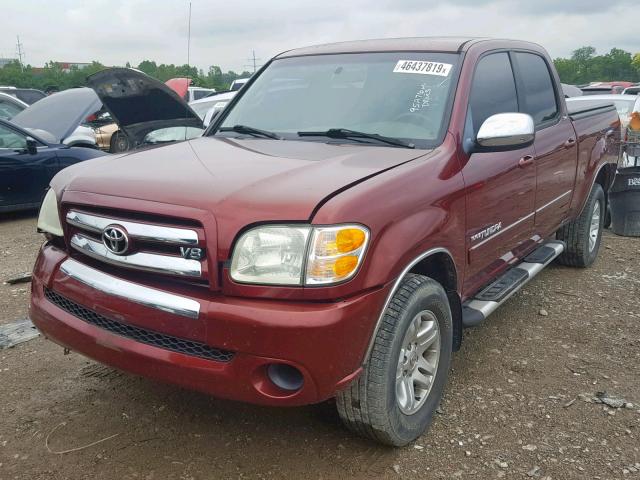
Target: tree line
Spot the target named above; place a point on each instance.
(582, 67)
(54, 75)
(585, 66)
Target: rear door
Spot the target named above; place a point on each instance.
(500, 186)
(556, 152)
(24, 177)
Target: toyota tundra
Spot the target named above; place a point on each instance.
(336, 227)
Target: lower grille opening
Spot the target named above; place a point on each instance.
(142, 335)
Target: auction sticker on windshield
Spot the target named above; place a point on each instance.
(423, 68)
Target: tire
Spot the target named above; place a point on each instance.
(119, 143)
(607, 218)
(582, 241)
(374, 405)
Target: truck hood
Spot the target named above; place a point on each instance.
(245, 180)
(59, 114)
(139, 103)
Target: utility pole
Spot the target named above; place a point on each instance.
(189, 38)
(20, 52)
(254, 61)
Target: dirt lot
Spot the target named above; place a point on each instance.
(513, 407)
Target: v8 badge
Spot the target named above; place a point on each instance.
(192, 253)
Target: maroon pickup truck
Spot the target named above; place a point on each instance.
(337, 226)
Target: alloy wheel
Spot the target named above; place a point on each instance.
(594, 227)
(418, 362)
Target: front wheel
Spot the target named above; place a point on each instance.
(584, 234)
(119, 143)
(394, 398)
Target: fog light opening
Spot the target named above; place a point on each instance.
(285, 376)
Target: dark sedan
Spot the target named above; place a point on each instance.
(28, 163)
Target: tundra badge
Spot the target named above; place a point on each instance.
(487, 232)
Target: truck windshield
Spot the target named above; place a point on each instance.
(401, 95)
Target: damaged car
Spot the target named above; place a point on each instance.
(46, 137)
(144, 111)
(58, 118)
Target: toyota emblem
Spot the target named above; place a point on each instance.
(115, 239)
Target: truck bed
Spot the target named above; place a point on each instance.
(579, 108)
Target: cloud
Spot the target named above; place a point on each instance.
(225, 33)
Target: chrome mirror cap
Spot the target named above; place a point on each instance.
(506, 130)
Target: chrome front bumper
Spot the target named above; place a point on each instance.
(150, 297)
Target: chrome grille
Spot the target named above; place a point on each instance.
(154, 248)
(142, 335)
(141, 231)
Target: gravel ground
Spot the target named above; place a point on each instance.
(521, 400)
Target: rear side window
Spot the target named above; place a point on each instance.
(493, 89)
(537, 93)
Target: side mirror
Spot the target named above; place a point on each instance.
(32, 146)
(506, 131)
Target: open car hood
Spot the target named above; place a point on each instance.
(59, 114)
(139, 103)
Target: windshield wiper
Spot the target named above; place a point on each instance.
(346, 133)
(256, 132)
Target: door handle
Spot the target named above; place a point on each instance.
(570, 143)
(525, 161)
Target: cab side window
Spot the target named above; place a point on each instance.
(11, 140)
(536, 88)
(493, 90)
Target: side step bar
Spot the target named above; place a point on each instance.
(487, 300)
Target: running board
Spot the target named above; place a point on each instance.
(487, 300)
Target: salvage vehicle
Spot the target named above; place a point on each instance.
(10, 106)
(184, 88)
(26, 95)
(209, 107)
(570, 91)
(238, 83)
(28, 162)
(52, 118)
(625, 105)
(339, 223)
(603, 88)
(634, 90)
(139, 110)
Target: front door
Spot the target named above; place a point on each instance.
(500, 186)
(24, 177)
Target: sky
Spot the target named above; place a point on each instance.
(226, 33)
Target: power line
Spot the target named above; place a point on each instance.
(253, 61)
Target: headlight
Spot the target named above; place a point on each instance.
(296, 255)
(49, 219)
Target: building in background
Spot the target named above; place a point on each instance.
(67, 66)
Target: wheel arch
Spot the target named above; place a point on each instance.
(438, 264)
(603, 177)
